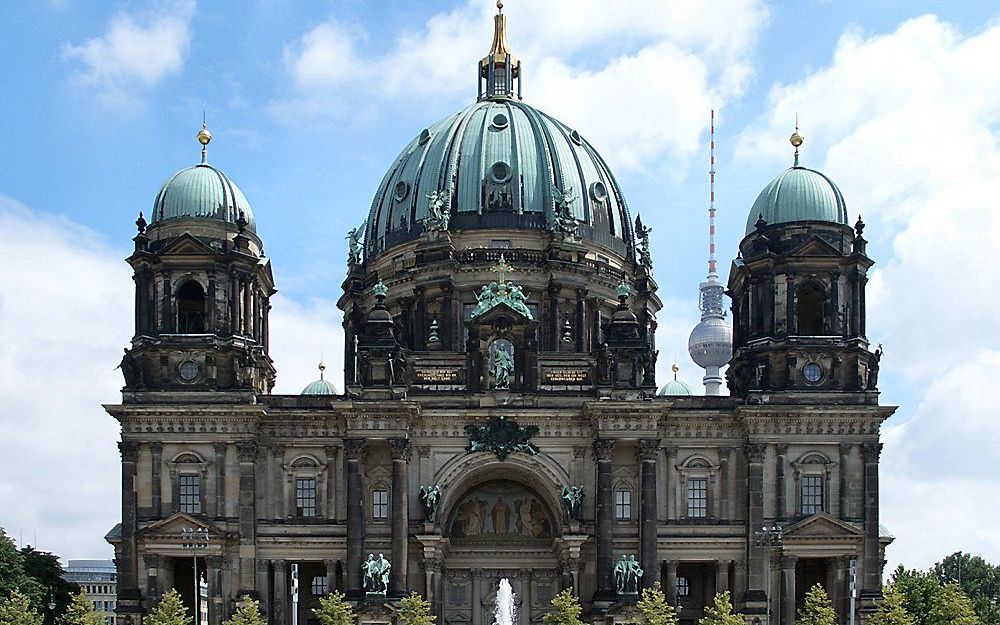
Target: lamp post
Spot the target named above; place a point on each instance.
(195, 539)
(768, 536)
(52, 607)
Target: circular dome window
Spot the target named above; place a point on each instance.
(500, 172)
(402, 190)
(499, 121)
(189, 371)
(576, 138)
(598, 191)
(812, 372)
(425, 136)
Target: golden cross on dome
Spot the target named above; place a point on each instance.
(502, 268)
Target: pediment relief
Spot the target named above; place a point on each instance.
(815, 246)
(821, 525)
(188, 245)
(170, 528)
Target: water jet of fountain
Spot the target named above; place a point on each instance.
(505, 612)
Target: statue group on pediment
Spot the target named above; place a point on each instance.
(495, 293)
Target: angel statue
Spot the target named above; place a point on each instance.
(354, 246)
(563, 219)
(642, 233)
(438, 213)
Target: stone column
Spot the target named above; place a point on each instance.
(213, 565)
(354, 449)
(604, 450)
(671, 589)
(447, 323)
(234, 303)
(722, 576)
(581, 311)
(432, 579)
(220, 478)
(156, 478)
(649, 449)
(281, 614)
(671, 486)
(756, 582)
(725, 496)
(154, 583)
(277, 483)
(788, 589)
(400, 448)
(836, 575)
(128, 579)
(477, 597)
(781, 494)
(332, 453)
(420, 323)
(247, 289)
(872, 567)
(246, 451)
(264, 588)
(845, 452)
(166, 311)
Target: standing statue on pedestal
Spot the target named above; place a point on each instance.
(563, 220)
(642, 234)
(429, 496)
(501, 366)
(628, 576)
(376, 574)
(438, 214)
(572, 497)
(354, 246)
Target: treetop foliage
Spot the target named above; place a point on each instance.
(415, 610)
(721, 612)
(169, 611)
(817, 610)
(15, 609)
(565, 610)
(654, 607)
(80, 612)
(247, 613)
(334, 610)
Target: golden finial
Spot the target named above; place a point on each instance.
(796, 139)
(675, 369)
(500, 6)
(322, 368)
(204, 136)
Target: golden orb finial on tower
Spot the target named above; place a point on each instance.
(675, 368)
(796, 139)
(500, 6)
(204, 137)
(322, 368)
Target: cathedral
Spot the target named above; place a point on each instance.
(499, 414)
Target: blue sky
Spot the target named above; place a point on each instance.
(309, 103)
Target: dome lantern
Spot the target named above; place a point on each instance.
(499, 68)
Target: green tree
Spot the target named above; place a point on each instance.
(721, 612)
(565, 610)
(80, 611)
(414, 610)
(920, 592)
(817, 609)
(15, 609)
(952, 607)
(978, 578)
(654, 607)
(334, 610)
(247, 613)
(46, 569)
(892, 611)
(169, 611)
(14, 577)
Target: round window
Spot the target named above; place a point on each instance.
(402, 190)
(500, 172)
(598, 191)
(576, 138)
(189, 370)
(425, 136)
(499, 121)
(812, 372)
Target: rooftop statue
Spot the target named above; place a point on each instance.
(354, 246)
(642, 234)
(438, 213)
(563, 219)
(502, 292)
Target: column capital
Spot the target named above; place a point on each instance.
(788, 562)
(671, 567)
(213, 562)
(871, 451)
(604, 448)
(434, 565)
(152, 560)
(247, 450)
(579, 451)
(156, 447)
(845, 448)
(424, 451)
(755, 451)
(331, 451)
(220, 447)
(278, 563)
(129, 451)
(354, 448)
(400, 448)
(671, 451)
(781, 448)
(648, 449)
(724, 453)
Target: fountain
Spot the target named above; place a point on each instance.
(505, 612)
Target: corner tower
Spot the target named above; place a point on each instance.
(202, 289)
(798, 291)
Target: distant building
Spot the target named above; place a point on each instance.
(98, 580)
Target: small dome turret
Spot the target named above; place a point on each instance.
(675, 387)
(202, 191)
(320, 386)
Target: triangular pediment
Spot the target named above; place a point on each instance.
(187, 244)
(501, 309)
(171, 527)
(815, 246)
(821, 525)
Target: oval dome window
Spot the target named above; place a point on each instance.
(598, 191)
(500, 172)
(499, 121)
(402, 190)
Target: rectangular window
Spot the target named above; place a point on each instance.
(190, 494)
(812, 494)
(319, 587)
(380, 504)
(683, 587)
(697, 497)
(623, 505)
(305, 497)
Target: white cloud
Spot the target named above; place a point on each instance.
(907, 124)
(301, 334)
(134, 53)
(679, 59)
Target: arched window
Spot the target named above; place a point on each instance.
(190, 308)
(810, 302)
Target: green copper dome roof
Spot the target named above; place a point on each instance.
(799, 194)
(319, 387)
(202, 191)
(675, 387)
(501, 164)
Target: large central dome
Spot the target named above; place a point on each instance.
(503, 164)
